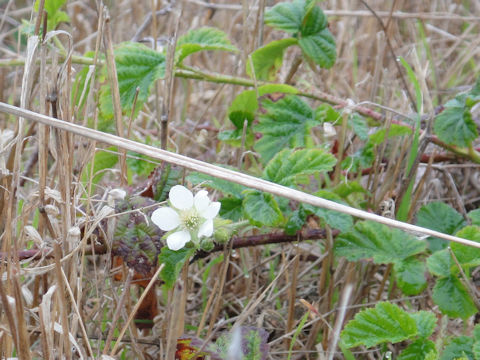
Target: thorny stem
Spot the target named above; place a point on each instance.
(237, 243)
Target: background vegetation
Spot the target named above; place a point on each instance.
(370, 104)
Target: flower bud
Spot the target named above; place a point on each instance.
(207, 245)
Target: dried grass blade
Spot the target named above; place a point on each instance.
(226, 174)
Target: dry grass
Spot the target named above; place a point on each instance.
(69, 287)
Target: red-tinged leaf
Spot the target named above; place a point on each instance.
(185, 351)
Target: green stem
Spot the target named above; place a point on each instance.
(196, 74)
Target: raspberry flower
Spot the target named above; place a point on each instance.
(190, 216)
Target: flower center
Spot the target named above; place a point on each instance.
(191, 220)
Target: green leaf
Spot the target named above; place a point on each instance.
(394, 130)
(136, 241)
(234, 137)
(419, 349)
(140, 164)
(359, 126)
(245, 105)
(320, 47)
(231, 208)
(476, 332)
(405, 202)
(344, 189)
(173, 263)
(474, 215)
(81, 85)
(385, 245)
(467, 256)
(476, 350)
(253, 343)
(54, 14)
(426, 322)
(137, 66)
(286, 16)
(261, 209)
(334, 219)
(316, 41)
(455, 125)
(361, 159)
(163, 179)
(384, 323)
(314, 20)
(326, 113)
(102, 160)
(441, 217)
(410, 276)
(205, 38)
(225, 186)
(452, 298)
(285, 124)
(458, 348)
(289, 164)
(295, 221)
(268, 59)
(441, 263)
(432, 355)
(306, 21)
(413, 79)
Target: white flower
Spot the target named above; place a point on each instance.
(191, 216)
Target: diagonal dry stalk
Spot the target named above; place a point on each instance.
(355, 30)
(226, 174)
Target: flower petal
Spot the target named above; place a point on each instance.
(201, 200)
(206, 229)
(180, 197)
(166, 218)
(178, 239)
(211, 211)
